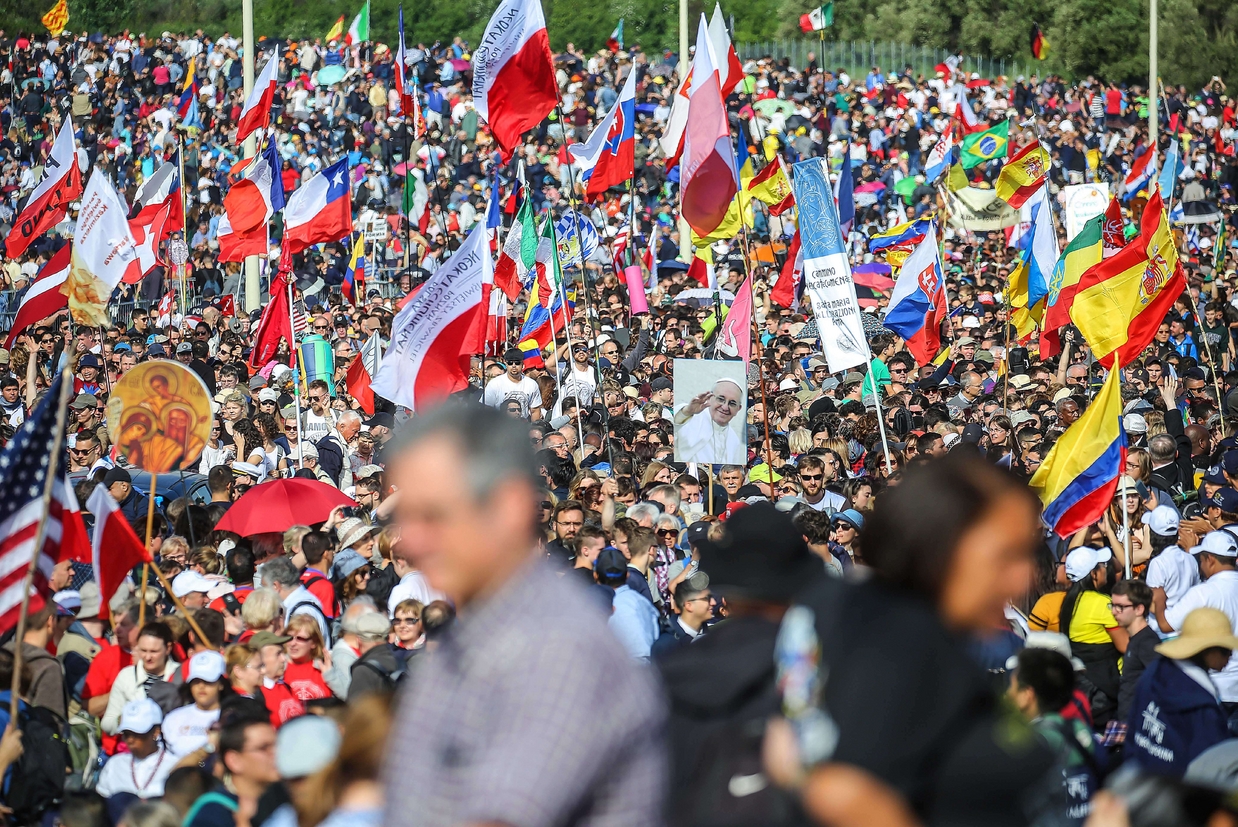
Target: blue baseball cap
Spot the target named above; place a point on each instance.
(1225, 499)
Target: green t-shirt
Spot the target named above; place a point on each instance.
(879, 373)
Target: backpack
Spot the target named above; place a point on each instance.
(86, 758)
(38, 780)
(395, 678)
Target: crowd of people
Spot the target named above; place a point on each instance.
(537, 612)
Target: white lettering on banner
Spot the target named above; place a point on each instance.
(436, 304)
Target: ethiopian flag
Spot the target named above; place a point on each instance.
(985, 146)
(1082, 253)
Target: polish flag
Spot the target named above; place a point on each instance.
(248, 202)
(257, 112)
(234, 246)
(49, 202)
(514, 84)
(124, 550)
(43, 298)
(320, 211)
(730, 70)
(434, 336)
(148, 230)
(707, 173)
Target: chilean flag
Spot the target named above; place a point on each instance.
(320, 211)
(43, 298)
(257, 112)
(707, 168)
(49, 202)
(918, 304)
(124, 550)
(608, 158)
(514, 84)
(1140, 175)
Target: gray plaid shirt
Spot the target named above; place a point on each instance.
(530, 714)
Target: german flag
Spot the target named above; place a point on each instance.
(1040, 46)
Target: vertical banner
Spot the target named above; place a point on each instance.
(827, 273)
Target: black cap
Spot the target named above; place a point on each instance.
(117, 475)
(384, 420)
(972, 433)
(820, 406)
(697, 532)
(762, 556)
(514, 354)
(611, 567)
(661, 384)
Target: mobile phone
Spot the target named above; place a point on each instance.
(233, 605)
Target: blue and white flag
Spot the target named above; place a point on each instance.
(1172, 169)
(578, 239)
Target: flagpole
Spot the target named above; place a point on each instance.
(253, 287)
(296, 384)
(40, 534)
(769, 452)
(1126, 517)
(180, 156)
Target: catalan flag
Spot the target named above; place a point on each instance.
(1083, 252)
(1023, 175)
(979, 147)
(337, 31)
(1121, 301)
(57, 19)
(1077, 479)
(353, 287)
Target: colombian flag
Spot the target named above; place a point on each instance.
(1082, 253)
(979, 147)
(1121, 301)
(187, 104)
(1023, 175)
(1077, 479)
(353, 287)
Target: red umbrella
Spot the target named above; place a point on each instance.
(280, 504)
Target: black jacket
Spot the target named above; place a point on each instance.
(378, 670)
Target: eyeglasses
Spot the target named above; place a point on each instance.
(319, 398)
(406, 621)
(1115, 607)
(843, 526)
(513, 364)
(321, 327)
(811, 477)
(574, 524)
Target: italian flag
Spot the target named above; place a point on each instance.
(359, 31)
(818, 19)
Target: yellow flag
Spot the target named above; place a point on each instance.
(1024, 318)
(58, 18)
(738, 214)
(337, 31)
(956, 179)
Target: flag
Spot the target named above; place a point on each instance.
(707, 169)
(896, 243)
(1113, 233)
(844, 193)
(1122, 301)
(403, 84)
(918, 304)
(353, 287)
(702, 271)
(103, 253)
(1077, 479)
(608, 158)
(1040, 46)
(939, 156)
(787, 290)
(249, 202)
(615, 41)
(359, 31)
(167, 306)
(772, 187)
(1140, 174)
(514, 84)
(187, 103)
(967, 118)
(819, 18)
(519, 252)
(735, 335)
(57, 19)
(827, 271)
(1040, 247)
(985, 146)
(275, 324)
(1023, 174)
(1172, 169)
(148, 230)
(676, 122)
(1083, 251)
(434, 337)
(546, 264)
(162, 188)
(234, 246)
(337, 30)
(256, 114)
(115, 548)
(359, 383)
(43, 297)
(320, 211)
(24, 465)
(49, 203)
(730, 70)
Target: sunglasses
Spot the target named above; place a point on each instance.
(406, 621)
(668, 532)
(811, 477)
(321, 327)
(302, 639)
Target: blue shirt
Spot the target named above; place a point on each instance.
(634, 621)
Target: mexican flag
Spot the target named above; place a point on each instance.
(359, 31)
(818, 19)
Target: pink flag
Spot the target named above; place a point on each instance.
(735, 336)
(707, 169)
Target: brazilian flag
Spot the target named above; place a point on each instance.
(985, 146)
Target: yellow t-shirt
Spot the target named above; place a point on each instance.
(1091, 618)
(1047, 612)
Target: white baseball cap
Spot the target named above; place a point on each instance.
(140, 716)
(1081, 561)
(1221, 543)
(188, 582)
(1162, 520)
(206, 666)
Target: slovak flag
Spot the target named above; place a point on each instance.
(608, 158)
(707, 171)
(918, 303)
(514, 84)
(257, 112)
(939, 156)
(1142, 169)
(320, 211)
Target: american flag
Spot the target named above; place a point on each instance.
(300, 322)
(618, 246)
(24, 465)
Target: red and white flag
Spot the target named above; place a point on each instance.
(148, 230)
(707, 168)
(249, 202)
(167, 305)
(786, 290)
(320, 211)
(234, 246)
(676, 123)
(114, 534)
(702, 272)
(730, 70)
(49, 202)
(103, 253)
(275, 324)
(514, 84)
(359, 378)
(257, 112)
(434, 336)
(735, 335)
(44, 297)
(162, 188)
(403, 84)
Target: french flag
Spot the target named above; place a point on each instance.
(49, 203)
(707, 168)
(43, 298)
(320, 211)
(257, 112)
(1140, 175)
(918, 303)
(608, 158)
(514, 84)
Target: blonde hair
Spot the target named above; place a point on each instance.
(800, 441)
(293, 537)
(307, 624)
(261, 609)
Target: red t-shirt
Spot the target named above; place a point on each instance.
(282, 704)
(241, 593)
(99, 679)
(321, 589)
(305, 681)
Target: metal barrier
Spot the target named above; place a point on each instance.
(858, 57)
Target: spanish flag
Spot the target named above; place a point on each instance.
(773, 187)
(1023, 175)
(1082, 253)
(58, 18)
(337, 31)
(1040, 45)
(1121, 301)
(979, 147)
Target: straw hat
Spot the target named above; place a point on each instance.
(1203, 628)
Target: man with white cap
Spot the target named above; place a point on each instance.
(1171, 571)
(140, 772)
(192, 589)
(1217, 554)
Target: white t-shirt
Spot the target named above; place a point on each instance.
(413, 586)
(579, 384)
(315, 427)
(830, 500)
(143, 778)
(501, 388)
(1176, 572)
(185, 729)
(1220, 591)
